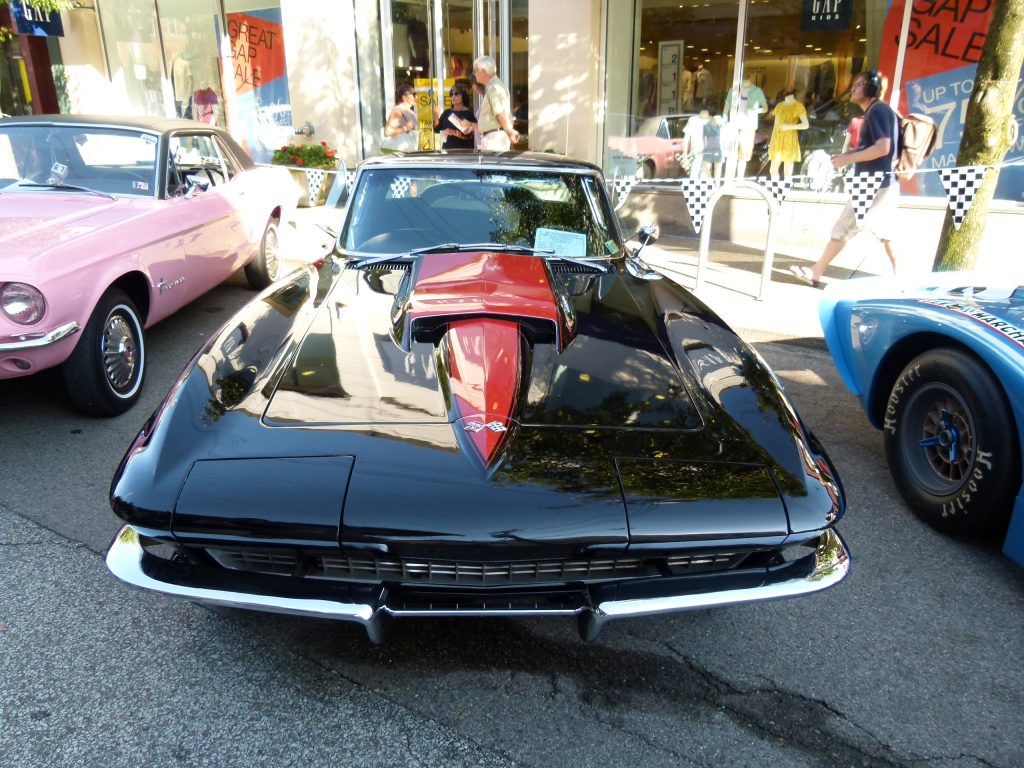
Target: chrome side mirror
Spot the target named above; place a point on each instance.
(648, 234)
(636, 266)
(194, 184)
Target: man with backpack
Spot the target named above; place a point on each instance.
(877, 150)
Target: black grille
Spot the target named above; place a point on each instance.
(572, 268)
(413, 601)
(466, 573)
(388, 266)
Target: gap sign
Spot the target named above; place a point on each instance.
(33, 21)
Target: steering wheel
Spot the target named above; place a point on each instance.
(394, 241)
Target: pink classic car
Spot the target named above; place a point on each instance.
(655, 147)
(110, 225)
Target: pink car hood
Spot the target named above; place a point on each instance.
(33, 224)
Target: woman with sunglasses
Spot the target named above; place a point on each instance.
(458, 122)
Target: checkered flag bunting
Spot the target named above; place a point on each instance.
(400, 186)
(862, 188)
(620, 188)
(696, 193)
(350, 179)
(961, 185)
(779, 188)
(314, 180)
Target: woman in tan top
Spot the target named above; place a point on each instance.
(400, 130)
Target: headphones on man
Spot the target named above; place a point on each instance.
(872, 83)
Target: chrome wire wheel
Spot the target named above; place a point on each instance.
(104, 373)
(263, 269)
(119, 350)
(271, 252)
(945, 450)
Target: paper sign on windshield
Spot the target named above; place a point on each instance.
(561, 242)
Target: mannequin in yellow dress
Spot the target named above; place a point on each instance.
(784, 148)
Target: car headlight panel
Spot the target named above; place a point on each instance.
(21, 303)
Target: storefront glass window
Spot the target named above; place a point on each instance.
(687, 119)
(410, 27)
(256, 87)
(812, 49)
(682, 64)
(134, 58)
(519, 86)
(190, 31)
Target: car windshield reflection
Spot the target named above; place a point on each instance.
(86, 158)
(398, 210)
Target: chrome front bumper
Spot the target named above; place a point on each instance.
(131, 563)
(25, 341)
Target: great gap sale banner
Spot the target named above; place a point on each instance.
(263, 113)
(944, 44)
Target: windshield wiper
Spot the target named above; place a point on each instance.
(66, 186)
(586, 261)
(441, 248)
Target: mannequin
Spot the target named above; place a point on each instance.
(181, 84)
(713, 154)
(784, 148)
(694, 135)
(702, 85)
(744, 105)
(204, 105)
(686, 89)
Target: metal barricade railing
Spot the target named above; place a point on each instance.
(731, 188)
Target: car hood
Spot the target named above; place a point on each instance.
(527, 392)
(33, 223)
(495, 339)
(476, 403)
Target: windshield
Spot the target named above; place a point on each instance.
(398, 210)
(104, 159)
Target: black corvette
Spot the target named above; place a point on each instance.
(482, 403)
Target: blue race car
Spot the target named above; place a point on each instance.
(939, 367)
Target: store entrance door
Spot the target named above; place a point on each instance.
(433, 44)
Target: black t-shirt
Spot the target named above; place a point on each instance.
(879, 121)
(454, 142)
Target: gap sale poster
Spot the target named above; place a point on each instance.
(944, 44)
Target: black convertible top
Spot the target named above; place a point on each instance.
(468, 158)
(155, 124)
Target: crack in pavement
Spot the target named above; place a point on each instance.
(803, 720)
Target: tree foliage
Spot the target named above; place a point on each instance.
(989, 131)
(53, 6)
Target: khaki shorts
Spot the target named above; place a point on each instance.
(497, 141)
(880, 220)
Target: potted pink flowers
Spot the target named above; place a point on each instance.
(307, 164)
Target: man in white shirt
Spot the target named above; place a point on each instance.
(495, 120)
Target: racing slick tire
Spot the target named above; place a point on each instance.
(951, 443)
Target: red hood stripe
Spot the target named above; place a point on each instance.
(484, 296)
(485, 371)
(493, 284)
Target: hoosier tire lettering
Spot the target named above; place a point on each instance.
(909, 374)
(951, 443)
